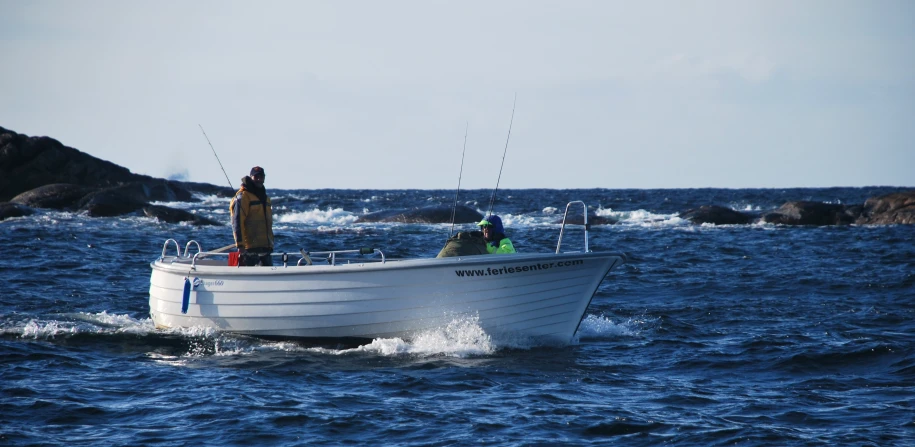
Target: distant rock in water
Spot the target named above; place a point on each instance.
(896, 208)
(811, 213)
(593, 219)
(430, 214)
(56, 196)
(8, 210)
(171, 215)
(381, 216)
(114, 201)
(716, 215)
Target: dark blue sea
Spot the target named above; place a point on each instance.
(710, 335)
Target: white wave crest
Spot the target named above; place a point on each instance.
(175, 204)
(642, 218)
(211, 199)
(460, 338)
(334, 216)
(519, 220)
(605, 212)
(599, 326)
(120, 323)
(43, 330)
(745, 208)
(81, 323)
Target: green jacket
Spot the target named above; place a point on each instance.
(505, 247)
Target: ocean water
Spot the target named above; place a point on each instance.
(709, 335)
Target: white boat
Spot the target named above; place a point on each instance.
(541, 297)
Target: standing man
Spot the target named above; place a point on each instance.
(494, 234)
(252, 220)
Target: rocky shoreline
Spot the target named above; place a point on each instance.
(895, 208)
(40, 172)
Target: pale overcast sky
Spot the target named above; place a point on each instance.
(376, 94)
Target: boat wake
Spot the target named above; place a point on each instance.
(461, 338)
(601, 327)
(76, 324)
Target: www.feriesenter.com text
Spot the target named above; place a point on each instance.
(489, 271)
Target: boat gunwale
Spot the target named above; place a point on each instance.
(463, 262)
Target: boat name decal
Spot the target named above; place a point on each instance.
(489, 271)
(213, 283)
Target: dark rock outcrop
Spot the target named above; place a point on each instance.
(716, 215)
(381, 216)
(8, 210)
(166, 191)
(171, 215)
(430, 214)
(593, 219)
(28, 162)
(127, 197)
(889, 209)
(811, 213)
(40, 172)
(57, 196)
(206, 188)
(114, 201)
(896, 208)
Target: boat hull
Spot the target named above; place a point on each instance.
(537, 296)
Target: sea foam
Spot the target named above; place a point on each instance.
(78, 323)
(460, 338)
(335, 216)
(599, 326)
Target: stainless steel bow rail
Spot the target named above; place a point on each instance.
(331, 256)
(304, 257)
(585, 222)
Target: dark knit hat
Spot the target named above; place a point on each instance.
(493, 221)
(257, 170)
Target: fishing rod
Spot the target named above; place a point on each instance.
(217, 157)
(493, 198)
(460, 173)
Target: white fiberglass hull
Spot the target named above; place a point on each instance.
(540, 296)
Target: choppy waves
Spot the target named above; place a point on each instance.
(737, 334)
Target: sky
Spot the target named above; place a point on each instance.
(380, 94)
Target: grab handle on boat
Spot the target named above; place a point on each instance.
(563, 227)
(165, 248)
(187, 248)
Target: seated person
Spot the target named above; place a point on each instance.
(494, 234)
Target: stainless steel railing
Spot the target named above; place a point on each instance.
(563, 227)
